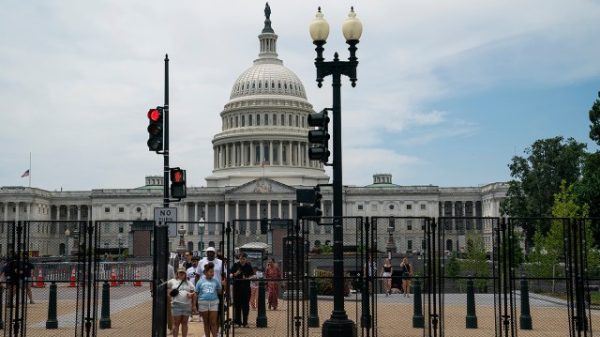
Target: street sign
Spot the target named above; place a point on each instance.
(166, 215)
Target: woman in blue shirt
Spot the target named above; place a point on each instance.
(208, 289)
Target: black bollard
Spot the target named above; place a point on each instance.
(261, 318)
(365, 318)
(471, 319)
(52, 322)
(105, 322)
(313, 319)
(418, 320)
(1, 301)
(525, 317)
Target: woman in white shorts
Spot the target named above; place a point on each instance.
(181, 293)
(208, 289)
(387, 277)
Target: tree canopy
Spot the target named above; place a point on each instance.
(537, 177)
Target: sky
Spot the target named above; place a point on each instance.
(447, 93)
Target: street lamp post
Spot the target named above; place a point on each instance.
(338, 324)
(67, 238)
(201, 227)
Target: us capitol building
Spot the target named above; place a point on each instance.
(260, 159)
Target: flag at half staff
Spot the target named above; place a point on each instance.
(25, 174)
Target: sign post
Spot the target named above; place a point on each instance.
(166, 216)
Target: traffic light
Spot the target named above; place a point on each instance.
(178, 188)
(317, 203)
(319, 138)
(155, 129)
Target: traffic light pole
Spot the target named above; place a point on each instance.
(338, 324)
(159, 300)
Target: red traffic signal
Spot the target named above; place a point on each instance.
(178, 183)
(155, 129)
(154, 115)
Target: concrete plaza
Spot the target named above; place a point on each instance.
(131, 316)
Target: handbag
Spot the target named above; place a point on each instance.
(175, 292)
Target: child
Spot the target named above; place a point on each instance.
(208, 300)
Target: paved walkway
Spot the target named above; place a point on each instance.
(131, 316)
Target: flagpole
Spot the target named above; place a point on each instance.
(29, 169)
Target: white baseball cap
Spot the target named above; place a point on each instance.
(211, 249)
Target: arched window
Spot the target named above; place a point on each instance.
(274, 119)
(250, 120)
(243, 120)
(257, 120)
(290, 120)
(266, 119)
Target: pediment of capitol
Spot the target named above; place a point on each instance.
(262, 186)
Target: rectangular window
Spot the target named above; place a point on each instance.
(250, 120)
(106, 209)
(409, 245)
(257, 151)
(423, 207)
(360, 207)
(374, 207)
(236, 121)
(409, 225)
(121, 209)
(409, 206)
(120, 228)
(290, 120)
(257, 120)
(243, 120)
(274, 119)
(266, 119)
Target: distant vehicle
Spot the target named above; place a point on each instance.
(257, 253)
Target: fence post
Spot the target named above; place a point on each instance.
(471, 319)
(525, 318)
(1, 310)
(105, 322)
(52, 322)
(261, 318)
(418, 321)
(313, 319)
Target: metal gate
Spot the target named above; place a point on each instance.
(14, 315)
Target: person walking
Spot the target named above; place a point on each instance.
(273, 276)
(387, 277)
(253, 289)
(407, 273)
(218, 267)
(241, 272)
(207, 289)
(181, 293)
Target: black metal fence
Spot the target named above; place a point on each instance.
(466, 276)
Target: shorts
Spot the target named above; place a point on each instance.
(204, 306)
(181, 309)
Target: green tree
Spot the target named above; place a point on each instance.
(588, 188)
(566, 206)
(537, 177)
(475, 261)
(595, 120)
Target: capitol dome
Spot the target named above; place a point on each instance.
(268, 78)
(264, 125)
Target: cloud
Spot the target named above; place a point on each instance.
(78, 77)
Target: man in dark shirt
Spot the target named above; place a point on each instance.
(241, 272)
